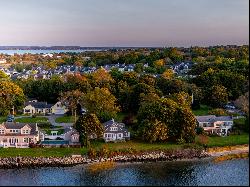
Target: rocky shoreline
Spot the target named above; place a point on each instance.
(146, 156)
(31, 162)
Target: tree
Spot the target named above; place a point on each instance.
(179, 120)
(153, 131)
(243, 102)
(88, 125)
(11, 95)
(168, 74)
(101, 78)
(71, 99)
(101, 102)
(217, 96)
(3, 76)
(139, 67)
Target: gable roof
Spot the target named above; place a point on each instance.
(38, 104)
(213, 118)
(111, 123)
(14, 125)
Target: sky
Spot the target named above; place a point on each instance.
(135, 23)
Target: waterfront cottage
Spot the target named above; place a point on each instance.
(35, 107)
(19, 135)
(213, 124)
(114, 131)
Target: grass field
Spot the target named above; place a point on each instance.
(204, 109)
(32, 120)
(65, 119)
(228, 140)
(137, 145)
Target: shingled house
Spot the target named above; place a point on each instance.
(19, 135)
(114, 131)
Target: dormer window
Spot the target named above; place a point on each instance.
(25, 132)
(113, 128)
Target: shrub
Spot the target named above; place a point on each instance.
(91, 153)
(199, 130)
(218, 112)
(104, 151)
(202, 140)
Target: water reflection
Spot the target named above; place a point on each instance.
(205, 172)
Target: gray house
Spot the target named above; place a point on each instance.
(114, 131)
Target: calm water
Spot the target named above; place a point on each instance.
(12, 52)
(202, 172)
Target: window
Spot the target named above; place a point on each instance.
(1, 131)
(25, 132)
(25, 140)
(113, 128)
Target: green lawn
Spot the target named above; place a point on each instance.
(60, 131)
(32, 120)
(65, 119)
(202, 111)
(228, 140)
(137, 145)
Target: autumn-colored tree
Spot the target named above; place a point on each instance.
(217, 96)
(11, 95)
(88, 125)
(168, 74)
(159, 63)
(3, 76)
(101, 102)
(101, 78)
(71, 99)
(182, 98)
(218, 112)
(153, 131)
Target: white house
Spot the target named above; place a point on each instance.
(58, 108)
(35, 107)
(19, 135)
(213, 124)
(114, 131)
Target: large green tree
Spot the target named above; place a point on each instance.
(101, 102)
(11, 96)
(88, 126)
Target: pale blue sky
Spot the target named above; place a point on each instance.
(124, 22)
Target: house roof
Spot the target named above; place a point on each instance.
(213, 118)
(39, 104)
(112, 123)
(14, 125)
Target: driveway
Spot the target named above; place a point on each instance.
(51, 119)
